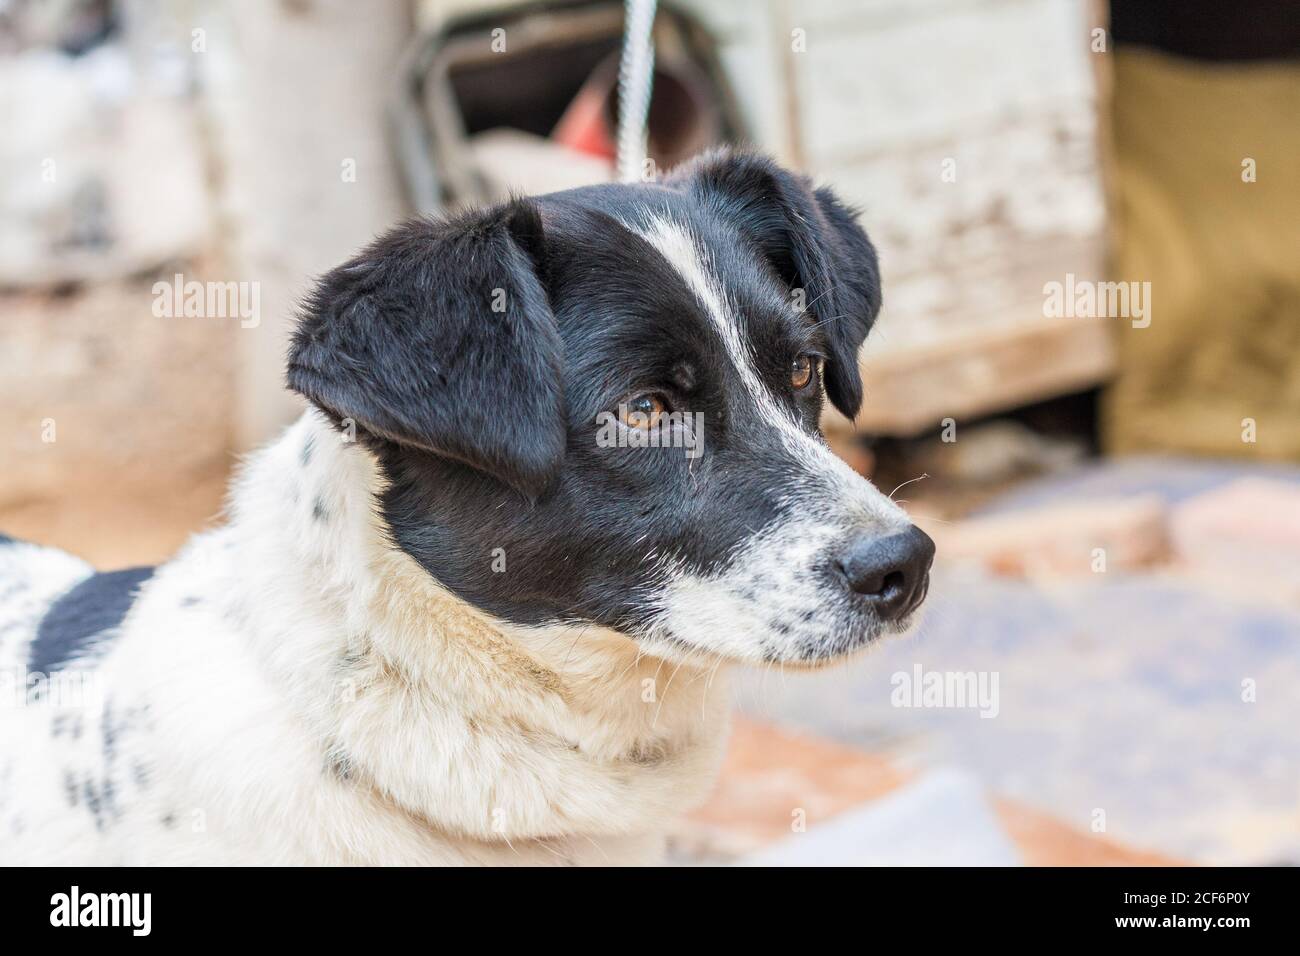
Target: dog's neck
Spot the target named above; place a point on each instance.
(434, 704)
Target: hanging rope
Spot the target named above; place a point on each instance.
(635, 83)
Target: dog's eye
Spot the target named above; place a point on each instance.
(642, 411)
(801, 371)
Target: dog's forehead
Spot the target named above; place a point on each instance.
(736, 295)
(658, 257)
(657, 227)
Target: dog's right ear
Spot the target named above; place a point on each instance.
(439, 336)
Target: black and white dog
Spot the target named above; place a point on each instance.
(562, 465)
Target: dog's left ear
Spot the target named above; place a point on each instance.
(813, 243)
(440, 336)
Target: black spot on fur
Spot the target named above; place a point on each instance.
(93, 803)
(69, 724)
(99, 799)
(338, 764)
(6, 539)
(109, 731)
(108, 792)
(318, 509)
(308, 447)
(191, 601)
(97, 604)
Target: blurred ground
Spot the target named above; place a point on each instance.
(1143, 704)
(773, 776)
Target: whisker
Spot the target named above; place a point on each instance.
(908, 482)
(664, 696)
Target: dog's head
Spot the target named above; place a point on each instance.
(601, 406)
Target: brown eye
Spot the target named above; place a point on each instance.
(642, 411)
(801, 371)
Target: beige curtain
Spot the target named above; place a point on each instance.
(1222, 255)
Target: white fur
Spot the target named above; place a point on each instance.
(325, 702)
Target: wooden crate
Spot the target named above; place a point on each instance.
(886, 100)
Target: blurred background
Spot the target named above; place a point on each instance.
(1085, 383)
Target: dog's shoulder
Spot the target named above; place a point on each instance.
(82, 615)
(54, 606)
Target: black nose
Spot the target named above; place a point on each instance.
(891, 574)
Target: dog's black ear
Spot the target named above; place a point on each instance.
(439, 336)
(813, 243)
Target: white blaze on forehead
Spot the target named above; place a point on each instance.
(676, 244)
(683, 251)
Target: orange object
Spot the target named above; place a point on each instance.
(585, 124)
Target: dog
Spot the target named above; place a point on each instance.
(561, 468)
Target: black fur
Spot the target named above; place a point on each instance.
(466, 408)
(97, 604)
(404, 340)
